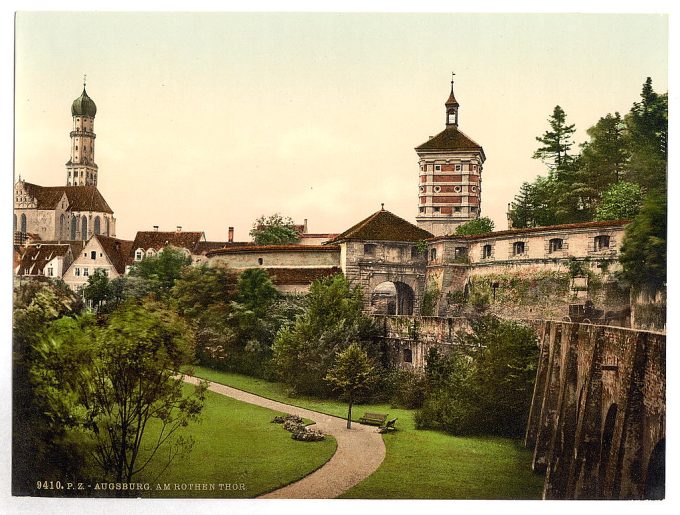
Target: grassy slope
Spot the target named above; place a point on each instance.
(236, 442)
(420, 464)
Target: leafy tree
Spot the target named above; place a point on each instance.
(477, 226)
(353, 374)
(487, 389)
(201, 287)
(98, 289)
(621, 201)
(556, 141)
(256, 291)
(40, 450)
(157, 274)
(333, 318)
(113, 380)
(643, 253)
(274, 230)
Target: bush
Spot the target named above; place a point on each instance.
(407, 388)
(486, 389)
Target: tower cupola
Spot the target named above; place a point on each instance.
(452, 107)
(83, 105)
(81, 169)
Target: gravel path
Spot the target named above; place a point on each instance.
(359, 453)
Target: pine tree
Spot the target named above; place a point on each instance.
(556, 142)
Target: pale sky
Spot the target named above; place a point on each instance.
(211, 120)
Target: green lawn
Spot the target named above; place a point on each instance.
(420, 464)
(236, 443)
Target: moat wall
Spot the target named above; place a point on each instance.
(597, 423)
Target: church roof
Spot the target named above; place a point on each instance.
(83, 105)
(450, 138)
(383, 226)
(158, 240)
(118, 251)
(80, 198)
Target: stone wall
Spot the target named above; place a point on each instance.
(597, 420)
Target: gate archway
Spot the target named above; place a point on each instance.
(392, 298)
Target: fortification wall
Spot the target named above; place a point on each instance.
(597, 420)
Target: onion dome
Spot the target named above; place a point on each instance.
(83, 106)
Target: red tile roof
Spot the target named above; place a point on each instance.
(80, 198)
(118, 251)
(283, 276)
(158, 240)
(35, 257)
(205, 246)
(451, 138)
(529, 230)
(242, 249)
(383, 226)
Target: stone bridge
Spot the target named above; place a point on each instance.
(597, 424)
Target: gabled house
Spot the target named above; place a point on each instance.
(99, 253)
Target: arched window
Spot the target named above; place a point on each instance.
(61, 226)
(23, 222)
(15, 223)
(139, 254)
(150, 253)
(108, 231)
(433, 254)
(83, 231)
(74, 227)
(97, 225)
(555, 244)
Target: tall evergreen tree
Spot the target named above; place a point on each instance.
(605, 156)
(556, 141)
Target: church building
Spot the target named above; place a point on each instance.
(450, 186)
(76, 211)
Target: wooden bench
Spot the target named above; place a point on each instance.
(373, 419)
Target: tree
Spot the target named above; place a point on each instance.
(113, 380)
(486, 389)
(353, 374)
(199, 288)
(333, 318)
(274, 230)
(98, 289)
(643, 253)
(556, 141)
(605, 157)
(477, 226)
(157, 274)
(647, 137)
(621, 201)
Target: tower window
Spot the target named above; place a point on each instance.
(456, 209)
(473, 209)
(436, 209)
(437, 168)
(408, 356)
(422, 209)
(458, 168)
(433, 254)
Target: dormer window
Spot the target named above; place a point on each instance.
(139, 255)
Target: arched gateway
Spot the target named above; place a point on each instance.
(384, 255)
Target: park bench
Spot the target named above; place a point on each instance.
(373, 419)
(389, 426)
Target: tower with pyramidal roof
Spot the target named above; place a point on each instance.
(450, 182)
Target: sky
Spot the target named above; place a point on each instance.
(209, 120)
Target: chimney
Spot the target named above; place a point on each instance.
(179, 228)
(231, 235)
(304, 229)
(155, 228)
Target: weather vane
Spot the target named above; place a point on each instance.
(84, 79)
(452, 74)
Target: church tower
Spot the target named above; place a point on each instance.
(81, 169)
(450, 185)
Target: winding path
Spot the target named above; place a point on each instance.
(359, 453)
